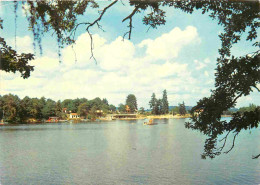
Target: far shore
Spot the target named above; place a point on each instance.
(105, 119)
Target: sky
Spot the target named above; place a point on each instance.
(179, 56)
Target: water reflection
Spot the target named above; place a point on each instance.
(119, 152)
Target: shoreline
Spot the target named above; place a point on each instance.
(139, 117)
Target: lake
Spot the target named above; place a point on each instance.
(121, 152)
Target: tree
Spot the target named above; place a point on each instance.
(11, 61)
(97, 102)
(121, 108)
(70, 104)
(26, 106)
(251, 107)
(49, 109)
(153, 104)
(175, 110)
(182, 108)
(104, 101)
(159, 107)
(58, 110)
(165, 103)
(112, 108)
(84, 109)
(142, 111)
(11, 108)
(93, 112)
(131, 102)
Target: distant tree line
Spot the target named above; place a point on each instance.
(180, 109)
(16, 110)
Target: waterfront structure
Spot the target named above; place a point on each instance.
(53, 119)
(99, 113)
(74, 116)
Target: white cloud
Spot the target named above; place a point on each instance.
(199, 65)
(82, 50)
(207, 60)
(23, 44)
(116, 55)
(119, 71)
(169, 45)
(206, 73)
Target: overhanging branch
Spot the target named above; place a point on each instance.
(130, 17)
(99, 26)
(221, 148)
(232, 144)
(255, 157)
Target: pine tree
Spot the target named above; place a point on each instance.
(165, 103)
(153, 104)
(182, 109)
(159, 107)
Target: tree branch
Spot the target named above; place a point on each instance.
(99, 26)
(73, 32)
(255, 157)
(257, 88)
(232, 144)
(130, 22)
(221, 148)
(236, 98)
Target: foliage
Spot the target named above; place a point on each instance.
(112, 108)
(58, 110)
(18, 110)
(131, 102)
(235, 77)
(84, 109)
(159, 106)
(142, 111)
(153, 104)
(251, 107)
(121, 108)
(49, 109)
(175, 110)
(165, 103)
(104, 101)
(11, 108)
(11, 61)
(182, 109)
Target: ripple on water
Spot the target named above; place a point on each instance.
(119, 153)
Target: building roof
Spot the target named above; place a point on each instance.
(75, 114)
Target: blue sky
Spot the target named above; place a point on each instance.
(179, 57)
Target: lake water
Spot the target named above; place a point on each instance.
(121, 152)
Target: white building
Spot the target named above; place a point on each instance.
(74, 116)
